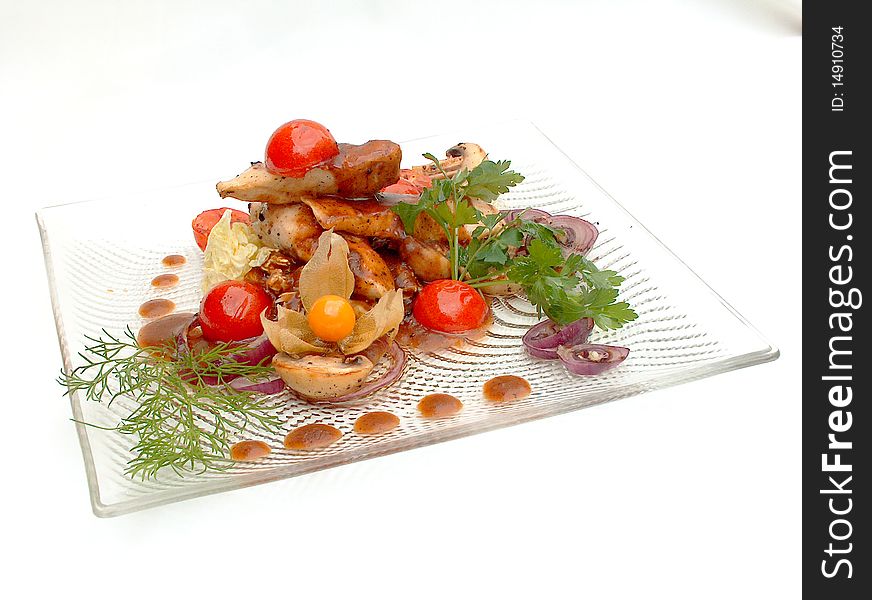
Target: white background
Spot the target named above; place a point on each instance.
(687, 112)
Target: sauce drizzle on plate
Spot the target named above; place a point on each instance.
(249, 450)
(375, 423)
(439, 405)
(506, 388)
(164, 330)
(174, 260)
(165, 280)
(158, 307)
(312, 437)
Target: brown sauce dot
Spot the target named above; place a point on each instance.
(506, 388)
(312, 437)
(164, 330)
(439, 405)
(174, 260)
(249, 450)
(165, 280)
(156, 308)
(376, 422)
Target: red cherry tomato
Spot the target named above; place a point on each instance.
(297, 146)
(230, 312)
(402, 187)
(450, 307)
(205, 221)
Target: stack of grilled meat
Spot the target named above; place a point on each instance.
(290, 213)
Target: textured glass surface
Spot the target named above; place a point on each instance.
(102, 255)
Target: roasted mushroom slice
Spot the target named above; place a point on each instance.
(315, 376)
(464, 155)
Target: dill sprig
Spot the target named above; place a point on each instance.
(186, 412)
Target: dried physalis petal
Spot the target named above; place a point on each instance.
(290, 333)
(384, 317)
(327, 272)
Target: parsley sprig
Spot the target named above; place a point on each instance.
(447, 203)
(563, 286)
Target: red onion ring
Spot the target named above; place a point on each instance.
(580, 234)
(543, 338)
(528, 214)
(591, 359)
(257, 350)
(273, 386)
(397, 356)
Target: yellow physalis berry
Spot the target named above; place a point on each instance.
(331, 318)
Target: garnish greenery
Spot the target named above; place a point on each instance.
(447, 204)
(564, 286)
(186, 412)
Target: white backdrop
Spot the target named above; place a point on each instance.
(687, 112)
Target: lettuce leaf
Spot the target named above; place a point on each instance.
(232, 250)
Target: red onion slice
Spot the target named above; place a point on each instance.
(398, 358)
(273, 386)
(580, 234)
(528, 214)
(543, 338)
(591, 359)
(256, 350)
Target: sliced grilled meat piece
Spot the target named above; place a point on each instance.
(365, 218)
(357, 171)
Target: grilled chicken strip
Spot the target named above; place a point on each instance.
(356, 171)
(428, 230)
(404, 276)
(365, 218)
(292, 228)
(372, 277)
(427, 260)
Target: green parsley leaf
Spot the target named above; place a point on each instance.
(490, 179)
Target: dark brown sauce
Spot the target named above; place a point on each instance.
(161, 331)
(174, 260)
(439, 405)
(376, 422)
(156, 308)
(506, 388)
(165, 280)
(249, 450)
(312, 437)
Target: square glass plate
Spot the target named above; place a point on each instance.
(101, 257)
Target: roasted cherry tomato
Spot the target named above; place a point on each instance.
(450, 307)
(205, 221)
(402, 187)
(297, 146)
(331, 318)
(230, 312)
